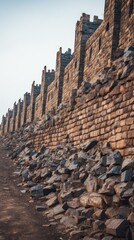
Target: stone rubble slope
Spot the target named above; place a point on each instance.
(88, 192)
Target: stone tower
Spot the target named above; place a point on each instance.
(47, 78)
(112, 17)
(62, 59)
(12, 124)
(3, 123)
(26, 102)
(84, 29)
(35, 91)
(18, 115)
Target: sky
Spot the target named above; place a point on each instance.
(31, 32)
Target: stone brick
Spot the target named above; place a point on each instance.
(121, 144)
(117, 227)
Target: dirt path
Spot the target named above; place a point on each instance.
(18, 218)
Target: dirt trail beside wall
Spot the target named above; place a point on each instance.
(18, 218)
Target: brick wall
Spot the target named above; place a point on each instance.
(7, 121)
(18, 114)
(35, 91)
(106, 114)
(40, 101)
(26, 102)
(127, 24)
(101, 46)
(55, 89)
(73, 74)
(97, 46)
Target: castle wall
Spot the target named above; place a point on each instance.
(3, 124)
(101, 46)
(35, 91)
(127, 24)
(28, 114)
(18, 115)
(55, 89)
(38, 107)
(13, 118)
(97, 45)
(69, 81)
(73, 74)
(7, 121)
(26, 102)
(105, 114)
(40, 101)
(52, 97)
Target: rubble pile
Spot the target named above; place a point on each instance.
(86, 192)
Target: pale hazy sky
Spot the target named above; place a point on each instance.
(31, 32)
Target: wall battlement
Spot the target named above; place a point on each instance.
(98, 45)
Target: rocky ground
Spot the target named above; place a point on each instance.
(18, 218)
(86, 193)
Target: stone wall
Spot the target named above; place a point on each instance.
(73, 74)
(26, 102)
(127, 24)
(7, 121)
(35, 91)
(13, 118)
(106, 114)
(40, 101)
(98, 49)
(55, 89)
(18, 114)
(3, 123)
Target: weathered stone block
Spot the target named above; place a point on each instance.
(117, 227)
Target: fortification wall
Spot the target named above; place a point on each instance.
(38, 107)
(55, 89)
(101, 46)
(73, 73)
(127, 24)
(97, 45)
(52, 97)
(40, 101)
(69, 81)
(28, 114)
(18, 114)
(106, 114)
(35, 91)
(26, 102)
(7, 121)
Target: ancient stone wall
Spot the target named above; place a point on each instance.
(18, 114)
(26, 102)
(55, 89)
(106, 114)
(100, 47)
(127, 24)
(35, 91)
(7, 121)
(73, 74)
(13, 118)
(3, 123)
(40, 101)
